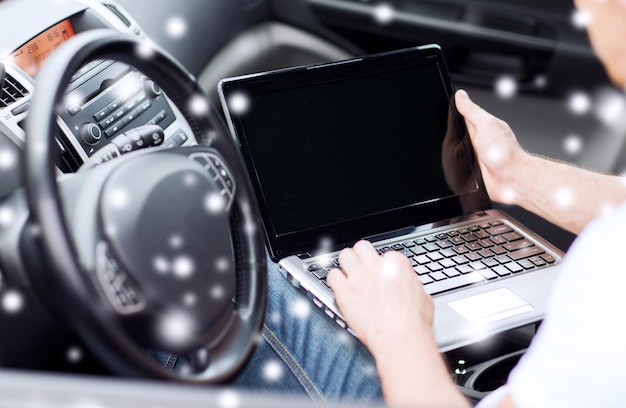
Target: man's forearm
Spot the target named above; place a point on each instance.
(413, 374)
(566, 195)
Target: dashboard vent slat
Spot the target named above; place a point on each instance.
(11, 91)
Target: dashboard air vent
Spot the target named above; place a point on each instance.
(11, 91)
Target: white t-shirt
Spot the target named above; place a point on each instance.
(578, 357)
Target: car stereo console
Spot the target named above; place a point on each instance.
(105, 98)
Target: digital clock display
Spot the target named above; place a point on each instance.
(30, 56)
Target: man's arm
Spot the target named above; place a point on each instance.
(563, 194)
(386, 306)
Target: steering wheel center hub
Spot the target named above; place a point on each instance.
(160, 215)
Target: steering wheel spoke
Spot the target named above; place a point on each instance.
(196, 361)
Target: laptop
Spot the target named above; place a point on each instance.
(373, 148)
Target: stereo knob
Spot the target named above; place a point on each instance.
(151, 88)
(91, 133)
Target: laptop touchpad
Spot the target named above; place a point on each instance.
(491, 306)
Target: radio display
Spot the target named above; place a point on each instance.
(30, 56)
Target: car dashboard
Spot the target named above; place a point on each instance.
(104, 99)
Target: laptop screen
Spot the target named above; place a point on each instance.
(334, 145)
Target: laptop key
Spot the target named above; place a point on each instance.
(488, 274)
(418, 250)
(499, 229)
(526, 253)
(421, 270)
(514, 267)
(438, 276)
(447, 263)
(320, 274)
(451, 272)
(453, 283)
(501, 270)
(512, 236)
(448, 253)
(515, 245)
(425, 279)
(434, 256)
(537, 260)
(526, 264)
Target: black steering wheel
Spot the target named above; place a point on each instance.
(158, 249)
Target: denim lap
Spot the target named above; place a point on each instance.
(328, 362)
(301, 352)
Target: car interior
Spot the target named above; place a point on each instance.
(100, 99)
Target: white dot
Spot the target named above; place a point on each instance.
(579, 103)
(189, 179)
(214, 203)
(145, 50)
(580, 18)
(35, 230)
(176, 328)
(176, 27)
(160, 264)
(118, 198)
(326, 245)
(540, 81)
(301, 308)
(494, 155)
(7, 159)
(564, 197)
(573, 144)
(183, 266)
(190, 299)
(610, 107)
(249, 228)
(222, 264)
(272, 371)
(239, 103)
(198, 105)
(343, 337)
(111, 229)
(217, 292)
(508, 195)
(74, 354)
(228, 399)
(176, 241)
(275, 318)
(389, 269)
(74, 99)
(12, 302)
(606, 209)
(7, 216)
(384, 13)
(370, 370)
(506, 87)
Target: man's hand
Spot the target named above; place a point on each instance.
(384, 303)
(499, 154)
(381, 297)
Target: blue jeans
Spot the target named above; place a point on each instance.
(303, 352)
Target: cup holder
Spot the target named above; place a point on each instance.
(493, 374)
(485, 377)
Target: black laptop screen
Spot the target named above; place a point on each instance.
(339, 149)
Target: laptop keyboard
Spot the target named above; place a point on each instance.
(463, 256)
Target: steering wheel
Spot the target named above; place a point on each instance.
(158, 249)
